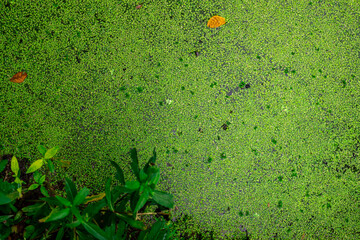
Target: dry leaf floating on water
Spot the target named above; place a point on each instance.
(19, 77)
(216, 21)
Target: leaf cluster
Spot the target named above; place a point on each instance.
(113, 214)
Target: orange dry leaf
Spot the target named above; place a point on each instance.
(216, 21)
(65, 163)
(19, 77)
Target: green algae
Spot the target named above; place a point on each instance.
(101, 77)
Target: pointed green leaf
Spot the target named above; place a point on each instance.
(63, 201)
(155, 176)
(4, 199)
(42, 179)
(33, 208)
(60, 234)
(15, 166)
(108, 194)
(80, 197)
(110, 230)
(29, 231)
(77, 214)
(93, 209)
(70, 190)
(155, 231)
(51, 152)
(135, 163)
(151, 162)
(41, 149)
(134, 198)
(33, 186)
(120, 230)
(73, 224)
(132, 185)
(164, 199)
(56, 214)
(95, 231)
(3, 164)
(44, 191)
(131, 222)
(143, 176)
(35, 166)
(142, 200)
(5, 217)
(37, 176)
(119, 173)
(51, 166)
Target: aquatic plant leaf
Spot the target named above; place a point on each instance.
(216, 21)
(19, 77)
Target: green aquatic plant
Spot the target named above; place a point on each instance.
(113, 214)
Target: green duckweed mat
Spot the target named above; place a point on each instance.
(255, 123)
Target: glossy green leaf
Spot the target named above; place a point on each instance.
(56, 214)
(28, 231)
(73, 224)
(37, 176)
(135, 163)
(33, 208)
(51, 166)
(141, 189)
(4, 199)
(3, 164)
(15, 166)
(108, 194)
(155, 177)
(33, 186)
(120, 234)
(110, 230)
(41, 149)
(94, 230)
(5, 217)
(63, 201)
(142, 200)
(35, 166)
(151, 162)
(42, 179)
(70, 189)
(131, 222)
(18, 215)
(60, 234)
(119, 173)
(93, 209)
(44, 191)
(77, 214)
(164, 199)
(155, 231)
(51, 152)
(80, 197)
(134, 198)
(143, 176)
(132, 185)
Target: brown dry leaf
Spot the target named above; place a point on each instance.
(65, 163)
(19, 77)
(216, 21)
